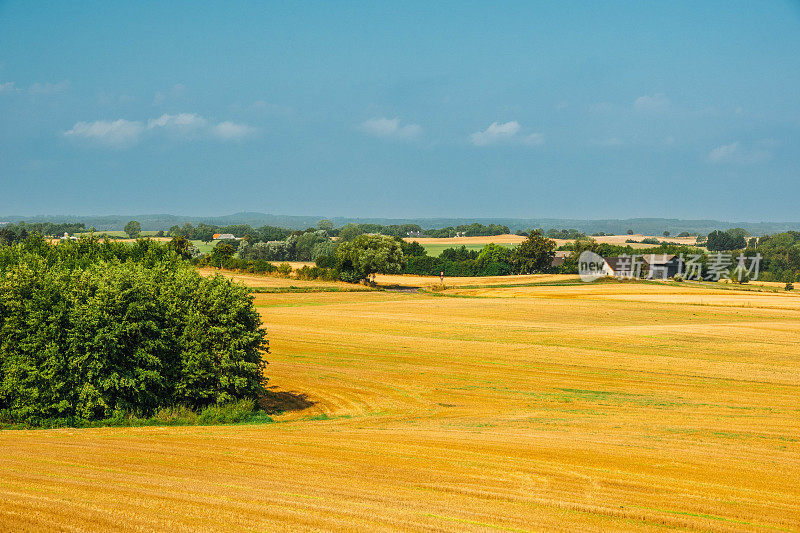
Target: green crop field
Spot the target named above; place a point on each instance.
(435, 249)
(204, 247)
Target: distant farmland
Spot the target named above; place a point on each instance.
(435, 246)
(611, 406)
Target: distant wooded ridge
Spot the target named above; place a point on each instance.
(645, 226)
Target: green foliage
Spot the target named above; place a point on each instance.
(469, 230)
(284, 269)
(221, 253)
(367, 254)
(349, 232)
(412, 249)
(316, 272)
(458, 254)
(534, 254)
(726, 240)
(568, 234)
(133, 229)
(89, 330)
(182, 247)
(11, 233)
(239, 412)
(781, 253)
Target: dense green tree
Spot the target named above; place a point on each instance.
(181, 246)
(349, 232)
(368, 254)
(494, 253)
(89, 330)
(534, 254)
(725, 240)
(133, 229)
(458, 254)
(412, 249)
(222, 251)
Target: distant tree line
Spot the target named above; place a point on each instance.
(567, 234)
(11, 233)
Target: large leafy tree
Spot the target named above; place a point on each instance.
(732, 239)
(368, 254)
(349, 232)
(535, 254)
(133, 229)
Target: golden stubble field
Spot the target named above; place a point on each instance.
(602, 407)
(511, 240)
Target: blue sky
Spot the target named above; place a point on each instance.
(404, 109)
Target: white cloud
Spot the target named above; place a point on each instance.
(37, 88)
(230, 131)
(182, 126)
(48, 88)
(190, 121)
(390, 128)
(739, 154)
(495, 133)
(506, 132)
(117, 133)
(654, 103)
(534, 139)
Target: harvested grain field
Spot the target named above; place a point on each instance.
(458, 241)
(583, 407)
(434, 246)
(268, 281)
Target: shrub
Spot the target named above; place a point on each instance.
(315, 272)
(284, 269)
(788, 287)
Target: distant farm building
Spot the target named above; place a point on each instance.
(221, 236)
(662, 266)
(620, 267)
(559, 258)
(656, 266)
